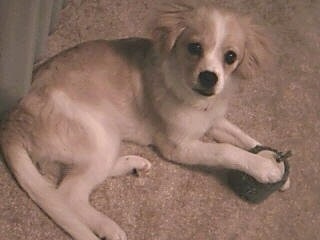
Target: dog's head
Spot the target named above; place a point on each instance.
(204, 48)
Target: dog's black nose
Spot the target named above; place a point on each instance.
(208, 79)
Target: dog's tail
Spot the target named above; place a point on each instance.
(43, 192)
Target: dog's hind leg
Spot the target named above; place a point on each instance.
(129, 164)
(76, 188)
(86, 173)
(91, 163)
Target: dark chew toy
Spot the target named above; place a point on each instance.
(250, 189)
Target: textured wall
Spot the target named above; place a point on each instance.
(24, 28)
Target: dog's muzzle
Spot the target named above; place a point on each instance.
(206, 83)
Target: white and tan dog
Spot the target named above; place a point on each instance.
(169, 92)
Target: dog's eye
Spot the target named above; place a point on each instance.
(230, 57)
(195, 49)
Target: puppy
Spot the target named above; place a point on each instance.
(168, 91)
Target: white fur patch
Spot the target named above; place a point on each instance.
(85, 116)
(214, 57)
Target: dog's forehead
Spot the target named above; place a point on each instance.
(213, 26)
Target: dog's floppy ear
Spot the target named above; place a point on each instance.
(259, 51)
(169, 24)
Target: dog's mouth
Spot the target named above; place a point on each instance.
(203, 92)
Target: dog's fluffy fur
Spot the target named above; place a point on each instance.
(86, 100)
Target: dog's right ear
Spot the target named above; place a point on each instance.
(259, 51)
(169, 24)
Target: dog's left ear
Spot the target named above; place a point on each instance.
(170, 23)
(259, 51)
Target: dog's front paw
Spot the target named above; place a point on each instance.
(286, 185)
(269, 174)
(266, 169)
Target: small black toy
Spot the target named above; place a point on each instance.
(250, 189)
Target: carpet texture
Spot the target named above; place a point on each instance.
(280, 109)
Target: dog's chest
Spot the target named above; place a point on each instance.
(190, 123)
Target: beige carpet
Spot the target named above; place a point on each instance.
(176, 203)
